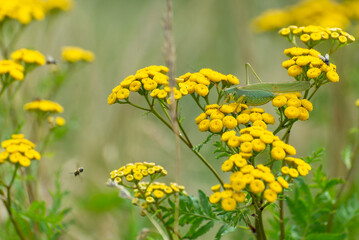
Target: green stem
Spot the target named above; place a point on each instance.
(136, 106)
(260, 233)
(281, 220)
(7, 204)
(188, 144)
(198, 104)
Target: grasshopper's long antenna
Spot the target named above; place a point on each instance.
(214, 83)
(255, 74)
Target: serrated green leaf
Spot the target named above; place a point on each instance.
(332, 182)
(194, 227)
(348, 211)
(315, 156)
(224, 229)
(326, 236)
(206, 207)
(195, 204)
(202, 230)
(304, 188)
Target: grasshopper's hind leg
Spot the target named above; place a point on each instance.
(255, 74)
(238, 101)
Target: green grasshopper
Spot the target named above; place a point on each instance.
(261, 93)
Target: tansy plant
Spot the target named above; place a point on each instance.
(29, 216)
(260, 163)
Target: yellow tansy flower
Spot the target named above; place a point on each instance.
(216, 125)
(203, 126)
(332, 76)
(270, 195)
(228, 204)
(278, 153)
(75, 54)
(229, 122)
(239, 197)
(234, 141)
(215, 197)
(291, 112)
(257, 186)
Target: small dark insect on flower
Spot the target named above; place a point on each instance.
(78, 171)
(325, 59)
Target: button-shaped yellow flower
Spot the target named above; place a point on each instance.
(216, 125)
(270, 195)
(279, 101)
(228, 204)
(257, 186)
(215, 197)
(229, 122)
(278, 153)
(239, 197)
(234, 141)
(291, 112)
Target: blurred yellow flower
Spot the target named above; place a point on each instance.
(43, 106)
(12, 68)
(75, 54)
(28, 56)
(19, 150)
(324, 13)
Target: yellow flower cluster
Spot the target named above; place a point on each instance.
(199, 82)
(25, 11)
(56, 122)
(145, 192)
(151, 79)
(312, 35)
(246, 178)
(294, 108)
(324, 13)
(154, 192)
(228, 197)
(357, 102)
(228, 116)
(43, 106)
(252, 141)
(12, 68)
(75, 54)
(28, 56)
(55, 5)
(137, 171)
(19, 150)
(295, 167)
(249, 179)
(307, 62)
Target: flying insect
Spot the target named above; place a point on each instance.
(325, 58)
(78, 171)
(51, 60)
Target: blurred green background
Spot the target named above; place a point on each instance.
(128, 35)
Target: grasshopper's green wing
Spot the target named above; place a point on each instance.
(279, 87)
(250, 97)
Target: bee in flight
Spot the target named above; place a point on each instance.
(325, 59)
(78, 171)
(51, 60)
